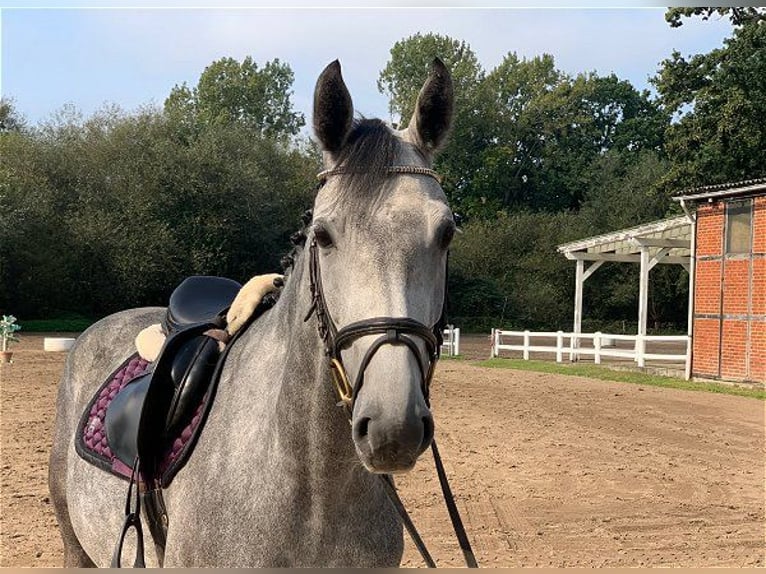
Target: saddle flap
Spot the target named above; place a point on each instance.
(122, 419)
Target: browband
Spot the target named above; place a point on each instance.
(400, 169)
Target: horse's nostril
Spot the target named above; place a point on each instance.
(362, 427)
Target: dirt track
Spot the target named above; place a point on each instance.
(548, 470)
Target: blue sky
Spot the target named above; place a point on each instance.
(132, 57)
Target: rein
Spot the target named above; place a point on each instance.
(392, 331)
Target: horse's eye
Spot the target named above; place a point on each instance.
(323, 237)
(446, 234)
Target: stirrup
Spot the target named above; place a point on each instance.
(132, 520)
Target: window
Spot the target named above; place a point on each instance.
(739, 224)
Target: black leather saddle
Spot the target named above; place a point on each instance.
(153, 408)
(200, 299)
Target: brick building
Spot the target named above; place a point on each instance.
(728, 308)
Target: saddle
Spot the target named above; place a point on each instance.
(150, 411)
(143, 422)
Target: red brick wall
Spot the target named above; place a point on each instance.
(729, 331)
(734, 350)
(705, 347)
(758, 351)
(736, 286)
(707, 287)
(710, 218)
(759, 225)
(759, 286)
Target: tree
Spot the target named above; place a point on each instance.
(719, 100)
(738, 16)
(513, 259)
(526, 133)
(403, 77)
(119, 208)
(231, 92)
(548, 128)
(410, 64)
(10, 119)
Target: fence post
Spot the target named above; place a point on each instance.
(574, 343)
(640, 349)
(493, 352)
(597, 347)
(559, 346)
(456, 340)
(526, 345)
(571, 347)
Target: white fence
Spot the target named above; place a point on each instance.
(603, 345)
(451, 344)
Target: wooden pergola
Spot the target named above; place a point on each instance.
(667, 241)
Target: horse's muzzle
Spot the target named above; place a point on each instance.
(391, 446)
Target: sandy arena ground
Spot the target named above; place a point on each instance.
(548, 470)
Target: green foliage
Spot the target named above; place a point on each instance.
(738, 16)
(472, 132)
(719, 99)
(525, 134)
(234, 93)
(510, 258)
(623, 191)
(109, 212)
(8, 329)
(10, 120)
(68, 323)
(410, 64)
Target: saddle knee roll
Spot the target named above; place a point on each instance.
(191, 374)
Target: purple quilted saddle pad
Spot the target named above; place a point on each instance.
(92, 443)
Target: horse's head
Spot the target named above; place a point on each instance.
(378, 245)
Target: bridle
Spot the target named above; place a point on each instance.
(391, 331)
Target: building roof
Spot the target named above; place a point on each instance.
(746, 187)
(667, 240)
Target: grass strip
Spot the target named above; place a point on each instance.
(54, 325)
(632, 377)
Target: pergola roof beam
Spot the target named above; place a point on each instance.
(673, 228)
(624, 257)
(662, 242)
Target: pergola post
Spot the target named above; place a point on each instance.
(577, 325)
(581, 275)
(643, 300)
(669, 240)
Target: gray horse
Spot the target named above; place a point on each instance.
(278, 477)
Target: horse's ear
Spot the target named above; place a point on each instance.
(333, 109)
(432, 118)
